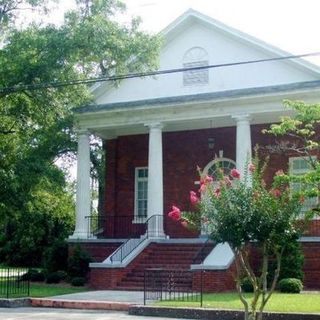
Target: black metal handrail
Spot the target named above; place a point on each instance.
(203, 252)
(96, 224)
(153, 227)
(14, 282)
(115, 226)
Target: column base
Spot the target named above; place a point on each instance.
(80, 235)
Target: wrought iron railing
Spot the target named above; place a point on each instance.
(96, 225)
(174, 285)
(153, 227)
(115, 227)
(203, 251)
(14, 282)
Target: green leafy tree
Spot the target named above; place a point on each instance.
(299, 135)
(36, 125)
(245, 213)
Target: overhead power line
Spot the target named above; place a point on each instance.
(39, 86)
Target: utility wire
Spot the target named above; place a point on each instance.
(31, 87)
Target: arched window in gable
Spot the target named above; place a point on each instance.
(196, 57)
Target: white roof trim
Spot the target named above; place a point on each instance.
(192, 15)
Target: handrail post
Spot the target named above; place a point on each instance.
(201, 288)
(8, 282)
(144, 287)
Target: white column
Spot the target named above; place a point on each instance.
(155, 180)
(243, 147)
(83, 197)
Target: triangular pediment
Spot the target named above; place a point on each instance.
(223, 45)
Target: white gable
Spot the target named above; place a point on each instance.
(222, 45)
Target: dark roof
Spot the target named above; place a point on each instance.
(201, 97)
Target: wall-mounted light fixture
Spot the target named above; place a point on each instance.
(210, 143)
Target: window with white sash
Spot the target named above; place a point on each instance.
(141, 193)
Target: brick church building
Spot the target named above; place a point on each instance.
(157, 130)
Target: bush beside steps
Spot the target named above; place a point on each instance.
(290, 285)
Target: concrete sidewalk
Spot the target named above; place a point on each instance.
(133, 297)
(92, 300)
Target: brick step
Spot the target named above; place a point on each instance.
(143, 267)
(180, 279)
(164, 256)
(176, 255)
(161, 264)
(140, 272)
(177, 248)
(173, 253)
(155, 260)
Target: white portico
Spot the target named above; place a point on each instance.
(164, 117)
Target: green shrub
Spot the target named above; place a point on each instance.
(291, 262)
(78, 281)
(56, 256)
(78, 263)
(246, 285)
(63, 275)
(290, 285)
(34, 275)
(53, 278)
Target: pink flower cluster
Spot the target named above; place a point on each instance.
(204, 182)
(235, 173)
(175, 215)
(194, 198)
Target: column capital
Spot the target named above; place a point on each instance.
(241, 117)
(154, 125)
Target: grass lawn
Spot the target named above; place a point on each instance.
(41, 289)
(279, 302)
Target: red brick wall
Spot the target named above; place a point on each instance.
(311, 267)
(97, 251)
(182, 152)
(215, 280)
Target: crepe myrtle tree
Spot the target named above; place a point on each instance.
(244, 212)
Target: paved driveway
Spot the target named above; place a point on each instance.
(66, 314)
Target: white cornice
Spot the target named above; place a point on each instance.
(192, 115)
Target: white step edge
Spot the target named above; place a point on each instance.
(220, 258)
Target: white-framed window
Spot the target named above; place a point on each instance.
(141, 194)
(299, 166)
(224, 164)
(195, 57)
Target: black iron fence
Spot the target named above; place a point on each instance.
(174, 285)
(14, 282)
